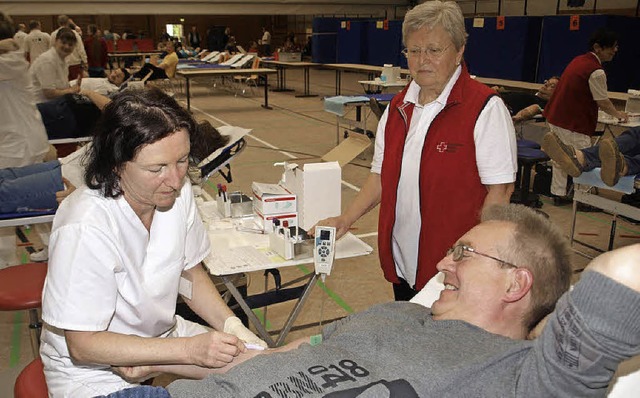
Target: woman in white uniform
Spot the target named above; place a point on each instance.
(118, 249)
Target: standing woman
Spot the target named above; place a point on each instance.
(445, 148)
(96, 47)
(118, 249)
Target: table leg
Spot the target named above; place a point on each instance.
(306, 84)
(266, 92)
(338, 81)
(296, 309)
(282, 80)
(188, 85)
(262, 332)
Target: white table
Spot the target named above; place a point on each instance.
(378, 86)
(235, 252)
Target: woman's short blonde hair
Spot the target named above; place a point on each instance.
(436, 13)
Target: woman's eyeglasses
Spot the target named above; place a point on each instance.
(429, 52)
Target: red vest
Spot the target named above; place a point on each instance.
(572, 106)
(451, 194)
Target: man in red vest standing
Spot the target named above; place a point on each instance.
(572, 111)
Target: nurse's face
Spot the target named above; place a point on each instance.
(432, 58)
(153, 179)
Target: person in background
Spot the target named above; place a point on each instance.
(36, 42)
(20, 35)
(265, 41)
(226, 37)
(165, 70)
(253, 47)
(77, 60)
(49, 72)
(572, 111)
(96, 48)
(104, 85)
(119, 248)
(525, 106)
(194, 39)
(432, 187)
(232, 46)
(617, 157)
(23, 139)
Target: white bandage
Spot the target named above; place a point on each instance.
(234, 326)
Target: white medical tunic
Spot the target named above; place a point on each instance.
(108, 273)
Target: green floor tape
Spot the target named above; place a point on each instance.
(14, 356)
(329, 292)
(258, 312)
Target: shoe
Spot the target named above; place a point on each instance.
(562, 200)
(585, 208)
(561, 153)
(612, 162)
(40, 256)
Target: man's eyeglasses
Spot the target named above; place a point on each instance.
(430, 52)
(457, 254)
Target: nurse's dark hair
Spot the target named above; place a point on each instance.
(132, 120)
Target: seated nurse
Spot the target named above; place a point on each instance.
(119, 246)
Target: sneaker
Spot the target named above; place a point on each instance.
(561, 153)
(39, 256)
(612, 162)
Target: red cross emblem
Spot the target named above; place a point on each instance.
(442, 146)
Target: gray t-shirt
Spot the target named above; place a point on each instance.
(397, 350)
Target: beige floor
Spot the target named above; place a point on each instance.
(295, 128)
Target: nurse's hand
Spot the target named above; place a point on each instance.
(341, 224)
(213, 349)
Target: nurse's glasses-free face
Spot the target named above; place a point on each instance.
(457, 254)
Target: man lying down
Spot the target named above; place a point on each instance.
(502, 278)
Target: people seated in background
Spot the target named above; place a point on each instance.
(502, 278)
(231, 47)
(185, 53)
(523, 105)
(49, 72)
(253, 47)
(290, 44)
(23, 139)
(104, 85)
(617, 157)
(166, 69)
